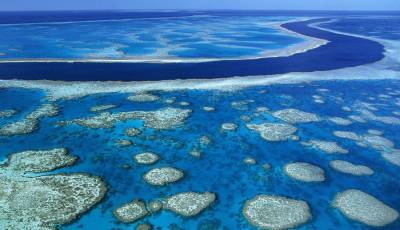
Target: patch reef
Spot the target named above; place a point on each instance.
(131, 212)
(360, 206)
(165, 118)
(304, 172)
(143, 97)
(99, 108)
(163, 176)
(329, 147)
(273, 131)
(189, 203)
(146, 158)
(350, 168)
(29, 123)
(44, 202)
(295, 116)
(276, 212)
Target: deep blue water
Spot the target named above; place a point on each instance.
(369, 26)
(220, 169)
(11, 17)
(342, 51)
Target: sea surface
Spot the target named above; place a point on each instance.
(208, 53)
(220, 169)
(156, 39)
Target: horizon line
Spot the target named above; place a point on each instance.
(217, 9)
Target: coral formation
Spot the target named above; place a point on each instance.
(304, 172)
(143, 97)
(7, 113)
(163, 176)
(229, 126)
(189, 203)
(39, 161)
(29, 123)
(340, 121)
(131, 132)
(131, 212)
(165, 118)
(350, 168)
(273, 131)
(329, 147)
(295, 116)
(99, 108)
(44, 202)
(360, 206)
(146, 158)
(276, 212)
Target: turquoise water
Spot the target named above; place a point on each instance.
(196, 37)
(220, 169)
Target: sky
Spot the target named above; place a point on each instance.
(15, 5)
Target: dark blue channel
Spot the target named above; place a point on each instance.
(341, 51)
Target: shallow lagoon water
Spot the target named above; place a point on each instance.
(220, 168)
(155, 39)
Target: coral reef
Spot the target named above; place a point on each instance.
(329, 147)
(146, 158)
(29, 123)
(131, 132)
(189, 203)
(123, 143)
(350, 168)
(163, 176)
(144, 226)
(39, 161)
(304, 172)
(165, 118)
(7, 113)
(143, 97)
(44, 202)
(205, 140)
(99, 108)
(347, 135)
(276, 212)
(249, 160)
(241, 105)
(360, 206)
(392, 157)
(295, 116)
(131, 212)
(229, 126)
(208, 109)
(195, 153)
(273, 131)
(184, 103)
(154, 206)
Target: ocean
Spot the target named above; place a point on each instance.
(200, 90)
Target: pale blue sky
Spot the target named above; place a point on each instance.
(201, 4)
